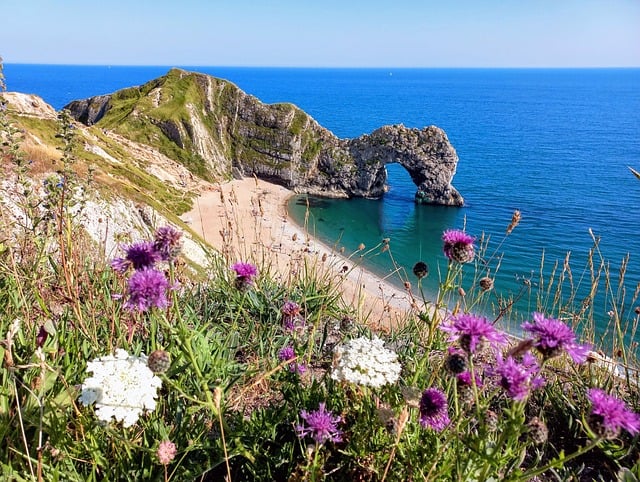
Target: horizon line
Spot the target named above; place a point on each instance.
(372, 67)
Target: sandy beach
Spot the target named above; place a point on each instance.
(247, 220)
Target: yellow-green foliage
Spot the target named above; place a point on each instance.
(127, 178)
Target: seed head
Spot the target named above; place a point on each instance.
(537, 431)
(456, 363)
(491, 420)
(420, 269)
(486, 283)
(159, 361)
(515, 220)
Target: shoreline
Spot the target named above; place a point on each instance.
(247, 219)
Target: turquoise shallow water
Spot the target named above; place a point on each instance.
(555, 144)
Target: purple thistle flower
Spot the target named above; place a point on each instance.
(288, 353)
(167, 242)
(553, 336)
(466, 380)
(434, 410)
(288, 323)
(245, 270)
(609, 415)
(472, 331)
(458, 246)
(245, 273)
(290, 308)
(42, 336)
(139, 255)
(290, 316)
(518, 378)
(147, 288)
(120, 265)
(320, 424)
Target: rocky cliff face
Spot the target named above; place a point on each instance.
(216, 130)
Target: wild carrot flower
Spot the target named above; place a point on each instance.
(245, 274)
(472, 331)
(166, 452)
(518, 378)
(137, 256)
(121, 387)
(167, 242)
(434, 410)
(366, 362)
(609, 415)
(458, 246)
(553, 336)
(147, 288)
(321, 425)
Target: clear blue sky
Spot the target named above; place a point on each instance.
(323, 33)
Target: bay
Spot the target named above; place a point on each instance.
(555, 144)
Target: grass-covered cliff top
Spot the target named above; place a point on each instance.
(205, 123)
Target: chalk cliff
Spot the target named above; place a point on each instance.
(218, 131)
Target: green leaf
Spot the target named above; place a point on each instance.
(625, 475)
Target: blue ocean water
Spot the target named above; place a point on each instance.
(554, 143)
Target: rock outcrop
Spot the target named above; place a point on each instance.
(29, 105)
(216, 130)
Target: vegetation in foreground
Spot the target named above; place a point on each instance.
(134, 368)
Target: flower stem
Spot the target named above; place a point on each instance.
(559, 461)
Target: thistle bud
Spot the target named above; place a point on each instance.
(486, 283)
(420, 269)
(159, 361)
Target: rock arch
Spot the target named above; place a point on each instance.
(426, 154)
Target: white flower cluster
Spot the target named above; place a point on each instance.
(365, 362)
(122, 387)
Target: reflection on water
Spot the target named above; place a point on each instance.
(311, 201)
(414, 232)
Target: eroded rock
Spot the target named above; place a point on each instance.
(217, 130)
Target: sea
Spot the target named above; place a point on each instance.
(555, 144)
